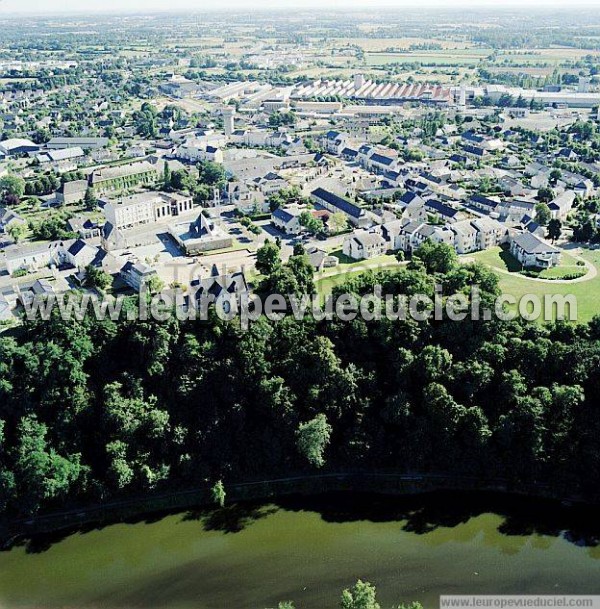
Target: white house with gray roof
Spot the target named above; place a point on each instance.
(531, 251)
(363, 245)
(562, 205)
(465, 237)
(287, 219)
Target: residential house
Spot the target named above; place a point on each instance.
(363, 245)
(319, 259)
(484, 204)
(442, 234)
(541, 179)
(40, 288)
(413, 207)
(531, 251)
(349, 154)
(6, 308)
(241, 196)
(199, 150)
(584, 188)
(466, 237)
(526, 223)
(287, 219)
(136, 274)
(71, 192)
(489, 232)
(567, 154)
(380, 163)
(84, 227)
(510, 161)
(226, 288)
(334, 141)
(511, 186)
(392, 233)
(562, 205)
(475, 151)
(512, 210)
(271, 183)
(9, 218)
(32, 257)
(410, 238)
(443, 212)
(334, 203)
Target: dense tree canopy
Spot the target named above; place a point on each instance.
(97, 410)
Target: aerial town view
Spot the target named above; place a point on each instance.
(299, 304)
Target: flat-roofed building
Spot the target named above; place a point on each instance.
(145, 208)
(87, 143)
(17, 146)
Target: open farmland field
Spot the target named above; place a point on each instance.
(553, 56)
(378, 45)
(458, 57)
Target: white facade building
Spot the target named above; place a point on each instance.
(145, 208)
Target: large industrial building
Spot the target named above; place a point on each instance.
(372, 92)
(581, 97)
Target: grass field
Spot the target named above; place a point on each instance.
(586, 293)
(501, 259)
(333, 278)
(375, 45)
(455, 57)
(554, 55)
(326, 284)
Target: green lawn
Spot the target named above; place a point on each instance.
(497, 258)
(566, 271)
(326, 284)
(587, 293)
(500, 258)
(336, 277)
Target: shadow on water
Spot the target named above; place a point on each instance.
(422, 514)
(38, 543)
(230, 519)
(418, 514)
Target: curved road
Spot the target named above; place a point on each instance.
(592, 272)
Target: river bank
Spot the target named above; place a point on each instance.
(379, 483)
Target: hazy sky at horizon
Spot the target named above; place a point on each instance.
(52, 6)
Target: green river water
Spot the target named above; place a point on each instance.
(308, 550)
